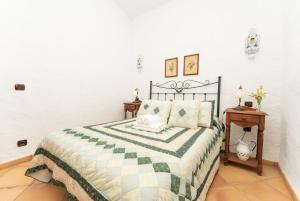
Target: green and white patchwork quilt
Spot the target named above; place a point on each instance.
(114, 161)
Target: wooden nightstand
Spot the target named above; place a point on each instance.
(246, 118)
(132, 107)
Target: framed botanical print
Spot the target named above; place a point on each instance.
(171, 67)
(191, 64)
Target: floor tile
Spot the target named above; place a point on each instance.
(270, 172)
(9, 194)
(15, 177)
(4, 171)
(260, 191)
(225, 194)
(42, 192)
(25, 164)
(236, 174)
(280, 185)
(219, 182)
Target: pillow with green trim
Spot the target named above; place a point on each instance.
(160, 108)
(206, 114)
(184, 114)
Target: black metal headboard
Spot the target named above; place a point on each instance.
(189, 88)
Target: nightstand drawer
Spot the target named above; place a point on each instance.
(131, 107)
(244, 118)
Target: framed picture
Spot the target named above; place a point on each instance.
(171, 67)
(191, 64)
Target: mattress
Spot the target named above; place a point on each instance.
(115, 161)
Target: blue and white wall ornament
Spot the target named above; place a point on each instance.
(252, 44)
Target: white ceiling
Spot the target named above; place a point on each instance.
(134, 8)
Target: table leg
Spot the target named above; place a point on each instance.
(227, 142)
(260, 139)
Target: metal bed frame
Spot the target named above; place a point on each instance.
(188, 88)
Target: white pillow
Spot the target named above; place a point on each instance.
(184, 114)
(160, 108)
(206, 113)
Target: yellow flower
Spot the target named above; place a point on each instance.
(259, 94)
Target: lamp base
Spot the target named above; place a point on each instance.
(239, 108)
(137, 100)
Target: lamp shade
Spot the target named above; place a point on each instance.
(135, 92)
(240, 92)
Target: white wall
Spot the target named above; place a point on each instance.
(217, 30)
(73, 56)
(290, 141)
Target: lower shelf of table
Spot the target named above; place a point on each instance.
(251, 162)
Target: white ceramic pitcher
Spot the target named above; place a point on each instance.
(244, 151)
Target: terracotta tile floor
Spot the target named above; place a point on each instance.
(231, 184)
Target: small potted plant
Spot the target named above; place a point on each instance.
(258, 95)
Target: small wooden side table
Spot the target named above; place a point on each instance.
(246, 118)
(132, 107)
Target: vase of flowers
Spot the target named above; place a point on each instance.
(259, 95)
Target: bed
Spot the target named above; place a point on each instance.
(115, 161)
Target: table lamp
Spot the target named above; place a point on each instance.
(239, 94)
(136, 94)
